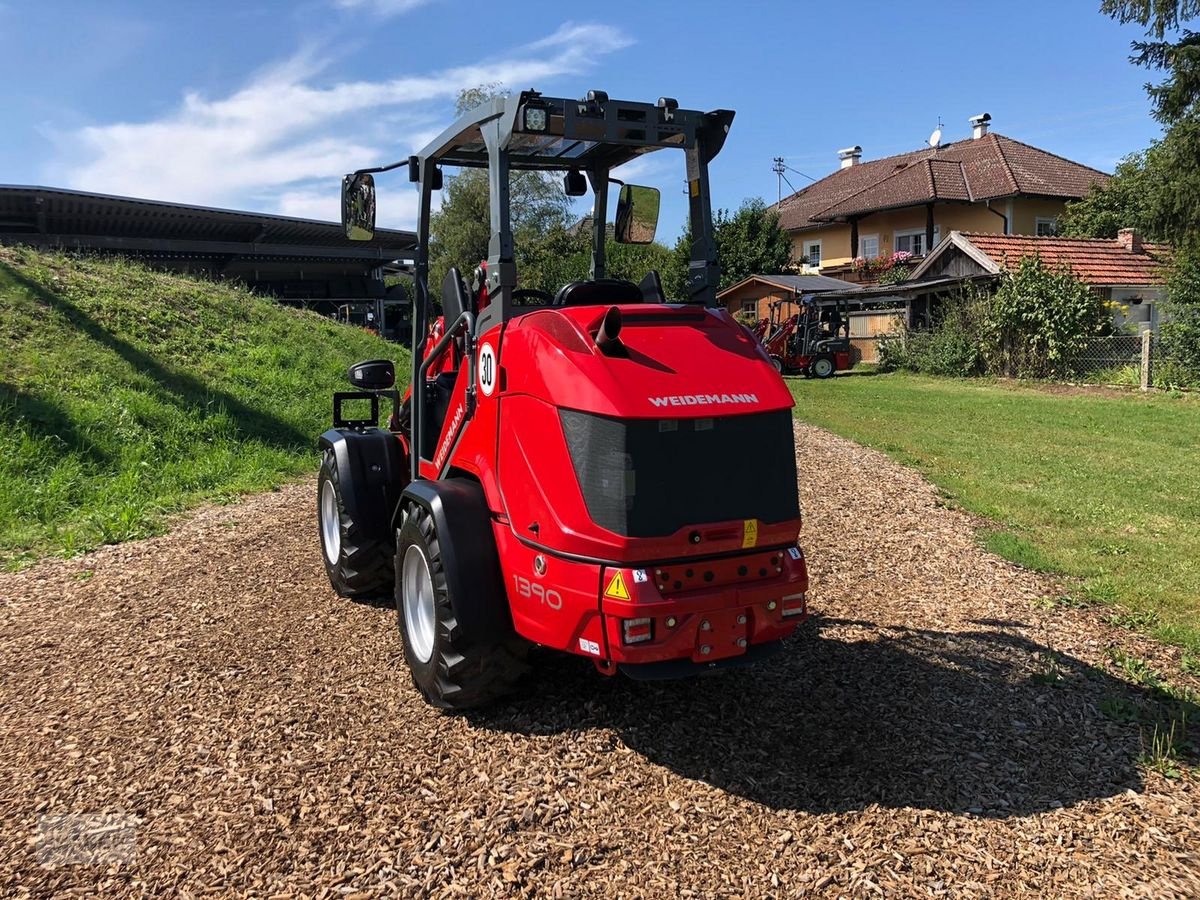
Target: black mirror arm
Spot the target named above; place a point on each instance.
(374, 170)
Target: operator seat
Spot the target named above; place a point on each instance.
(603, 290)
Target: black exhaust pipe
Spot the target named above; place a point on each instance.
(608, 336)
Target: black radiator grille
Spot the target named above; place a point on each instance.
(651, 477)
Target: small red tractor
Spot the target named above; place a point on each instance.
(554, 476)
(814, 342)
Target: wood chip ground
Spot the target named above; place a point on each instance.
(265, 737)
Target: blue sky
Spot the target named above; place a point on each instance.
(262, 106)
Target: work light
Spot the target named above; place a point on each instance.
(535, 118)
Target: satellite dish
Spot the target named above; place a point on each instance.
(935, 139)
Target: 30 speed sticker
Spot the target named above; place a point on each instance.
(487, 369)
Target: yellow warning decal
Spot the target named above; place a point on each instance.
(750, 533)
(694, 187)
(616, 588)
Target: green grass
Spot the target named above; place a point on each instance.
(127, 394)
(1098, 486)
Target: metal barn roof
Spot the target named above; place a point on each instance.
(54, 217)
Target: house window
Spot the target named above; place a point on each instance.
(812, 252)
(913, 240)
(1045, 227)
(751, 307)
(868, 246)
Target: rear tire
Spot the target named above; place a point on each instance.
(823, 366)
(357, 565)
(778, 364)
(450, 670)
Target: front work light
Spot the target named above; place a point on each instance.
(535, 118)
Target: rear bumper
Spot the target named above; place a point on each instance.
(703, 626)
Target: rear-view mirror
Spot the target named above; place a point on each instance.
(373, 375)
(637, 214)
(358, 207)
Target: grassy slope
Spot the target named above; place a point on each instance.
(1098, 486)
(127, 393)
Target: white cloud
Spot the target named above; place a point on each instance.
(320, 200)
(270, 143)
(381, 7)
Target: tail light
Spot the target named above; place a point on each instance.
(637, 630)
(794, 604)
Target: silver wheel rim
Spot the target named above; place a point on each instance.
(331, 526)
(417, 593)
(823, 368)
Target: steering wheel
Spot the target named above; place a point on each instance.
(523, 296)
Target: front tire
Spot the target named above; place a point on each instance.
(357, 564)
(450, 670)
(823, 367)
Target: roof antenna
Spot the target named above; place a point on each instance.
(935, 139)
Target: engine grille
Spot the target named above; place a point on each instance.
(651, 477)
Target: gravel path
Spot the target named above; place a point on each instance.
(932, 731)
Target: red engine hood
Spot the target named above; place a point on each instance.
(680, 362)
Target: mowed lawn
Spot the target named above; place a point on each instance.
(1100, 486)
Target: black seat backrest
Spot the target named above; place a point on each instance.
(603, 290)
(454, 296)
(652, 289)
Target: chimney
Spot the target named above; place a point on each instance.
(850, 156)
(1129, 240)
(979, 125)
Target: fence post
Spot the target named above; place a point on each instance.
(1147, 376)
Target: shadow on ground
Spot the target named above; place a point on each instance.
(169, 385)
(986, 722)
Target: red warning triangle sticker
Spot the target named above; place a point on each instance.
(616, 588)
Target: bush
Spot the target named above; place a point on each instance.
(1038, 320)
(1033, 326)
(951, 348)
(745, 317)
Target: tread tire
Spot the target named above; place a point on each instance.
(460, 674)
(816, 369)
(364, 566)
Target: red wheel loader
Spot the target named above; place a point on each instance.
(562, 480)
(815, 342)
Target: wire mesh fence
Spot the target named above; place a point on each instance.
(1131, 360)
(1113, 359)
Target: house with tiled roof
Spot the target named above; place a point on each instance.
(987, 183)
(1127, 271)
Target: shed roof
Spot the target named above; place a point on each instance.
(1096, 261)
(797, 284)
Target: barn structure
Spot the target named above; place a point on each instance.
(299, 261)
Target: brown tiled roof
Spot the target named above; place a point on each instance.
(971, 170)
(1095, 261)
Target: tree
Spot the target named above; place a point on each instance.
(749, 242)
(1133, 198)
(1176, 98)
(1179, 334)
(460, 230)
(1157, 191)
